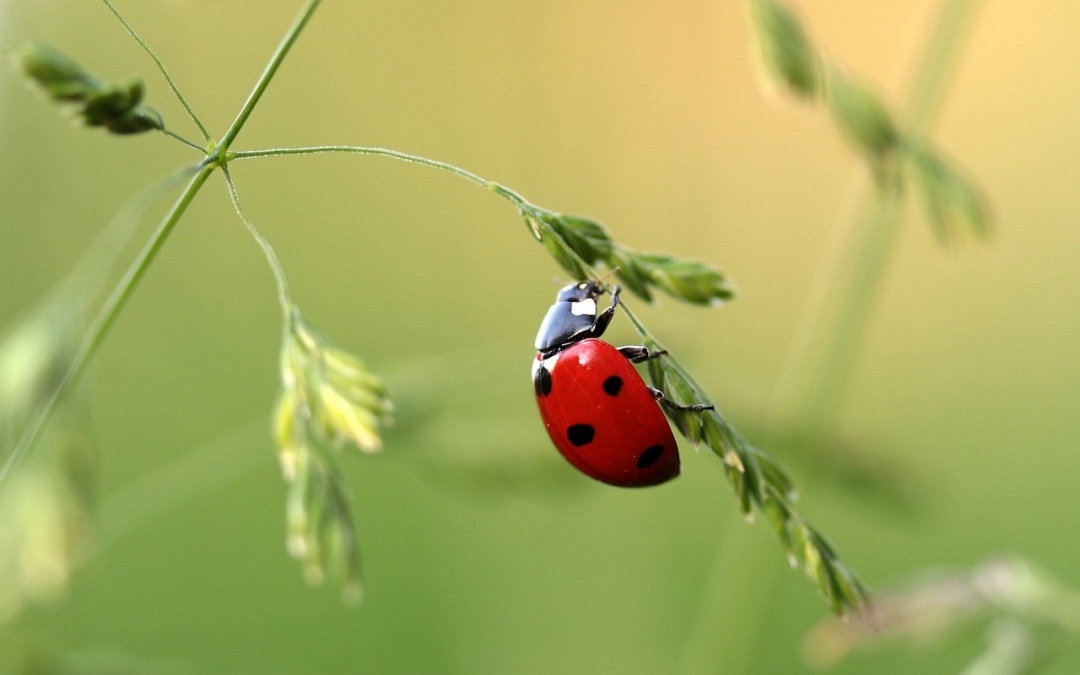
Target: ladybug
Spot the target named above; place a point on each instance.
(598, 411)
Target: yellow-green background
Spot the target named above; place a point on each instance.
(484, 552)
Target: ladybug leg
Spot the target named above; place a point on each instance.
(605, 317)
(659, 396)
(640, 354)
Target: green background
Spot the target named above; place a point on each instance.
(483, 551)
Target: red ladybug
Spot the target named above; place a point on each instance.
(598, 411)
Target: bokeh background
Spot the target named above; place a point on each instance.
(483, 551)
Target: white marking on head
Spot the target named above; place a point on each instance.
(586, 307)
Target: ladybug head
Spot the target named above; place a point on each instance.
(572, 318)
(580, 290)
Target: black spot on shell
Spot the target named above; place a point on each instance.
(580, 434)
(650, 456)
(613, 385)
(542, 381)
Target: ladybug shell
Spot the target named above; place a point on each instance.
(603, 418)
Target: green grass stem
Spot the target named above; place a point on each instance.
(168, 78)
(268, 73)
(106, 317)
(498, 188)
(820, 360)
(117, 300)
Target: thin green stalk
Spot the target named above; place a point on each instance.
(92, 270)
(820, 361)
(498, 188)
(288, 309)
(268, 73)
(116, 301)
(190, 144)
(106, 317)
(161, 67)
(271, 257)
(941, 53)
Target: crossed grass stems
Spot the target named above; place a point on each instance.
(330, 398)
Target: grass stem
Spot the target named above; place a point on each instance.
(819, 362)
(161, 67)
(268, 73)
(271, 257)
(106, 317)
(125, 288)
(499, 189)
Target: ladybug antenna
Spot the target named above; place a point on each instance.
(603, 277)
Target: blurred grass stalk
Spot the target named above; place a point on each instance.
(1028, 618)
(819, 362)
